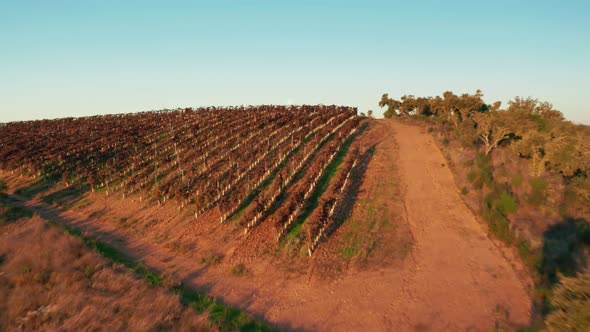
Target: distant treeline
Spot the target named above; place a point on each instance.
(534, 130)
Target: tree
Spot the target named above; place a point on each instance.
(532, 146)
(492, 128)
(545, 139)
(392, 106)
(534, 107)
(569, 149)
(496, 106)
(370, 113)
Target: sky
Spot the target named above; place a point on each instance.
(79, 58)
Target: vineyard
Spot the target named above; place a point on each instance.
(245, 163)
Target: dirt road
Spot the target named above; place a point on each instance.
(453, 278)
(459, 280)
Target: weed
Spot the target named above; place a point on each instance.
(348, 252)
(468, 163)
(239, 270)
(88, 271)
(537, 195)
(506, 203)
(516, 180)
(210, 259)
(464, 191)
(471, 176)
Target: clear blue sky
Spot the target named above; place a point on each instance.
(75, 58)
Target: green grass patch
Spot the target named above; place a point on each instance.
(506, 203)
(35, 188)
(221, 316)
(67, 197)
(349, 252)
(10, 212)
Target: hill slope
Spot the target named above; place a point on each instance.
(397, 261)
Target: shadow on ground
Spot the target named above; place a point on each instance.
(565, 249)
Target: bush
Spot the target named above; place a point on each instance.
(538, 187)
(210, 259)
(577, 197)
(468, 163)
(482, 161)
(499, 225)
(471, 176)
(482, 175)
(239, 270)
(516, 180)
(506, 204)
(571, 305)
(529, 256)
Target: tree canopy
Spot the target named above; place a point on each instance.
(535, 130)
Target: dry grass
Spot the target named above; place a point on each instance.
(50, 280)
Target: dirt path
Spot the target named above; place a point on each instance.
(460, 278)
(452, 279)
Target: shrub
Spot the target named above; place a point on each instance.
(471, 176)
(538, 187)
(210, 259)
(482, 161)
(571, 305)
(577, 197)
(239, 270)
(499, 225)
(464, 191)
(482, 175)
(506, 204)
(529, 256)
(516, 180)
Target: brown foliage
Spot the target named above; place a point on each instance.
(50, 280)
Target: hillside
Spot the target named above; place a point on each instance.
(334, 224)
(209, 163)
(524, 170)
